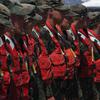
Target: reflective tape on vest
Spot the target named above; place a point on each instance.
(48, 30)
(93, 38)
(1, 42)
(35, 32)
(71, 34)
(82, 36)
(11, 43)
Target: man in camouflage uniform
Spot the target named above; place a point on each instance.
(18, 15)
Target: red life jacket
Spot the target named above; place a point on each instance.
(76, 41)
(24, 74)
(86, 56)
(76, 44)
(3, 55)
(59, 65)
(68, 52)
(87, 42)
(20, 78)
(3, 60)
(70, 56)
(13, 52)
(29, 44)
(96, 40)
(57, 58)
(44, 62)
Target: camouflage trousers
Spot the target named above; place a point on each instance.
(87, 88)
(97, 85)
(65, 89)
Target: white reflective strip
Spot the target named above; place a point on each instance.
(94, 39)
(1, 42)
(25, 44)
(71, 34)
(62, 52)
(51, 34)
(90, 33)
(35, 32)
(11, 42)
(82, 36)
(59, 34)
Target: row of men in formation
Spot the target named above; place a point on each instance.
(55, 57)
